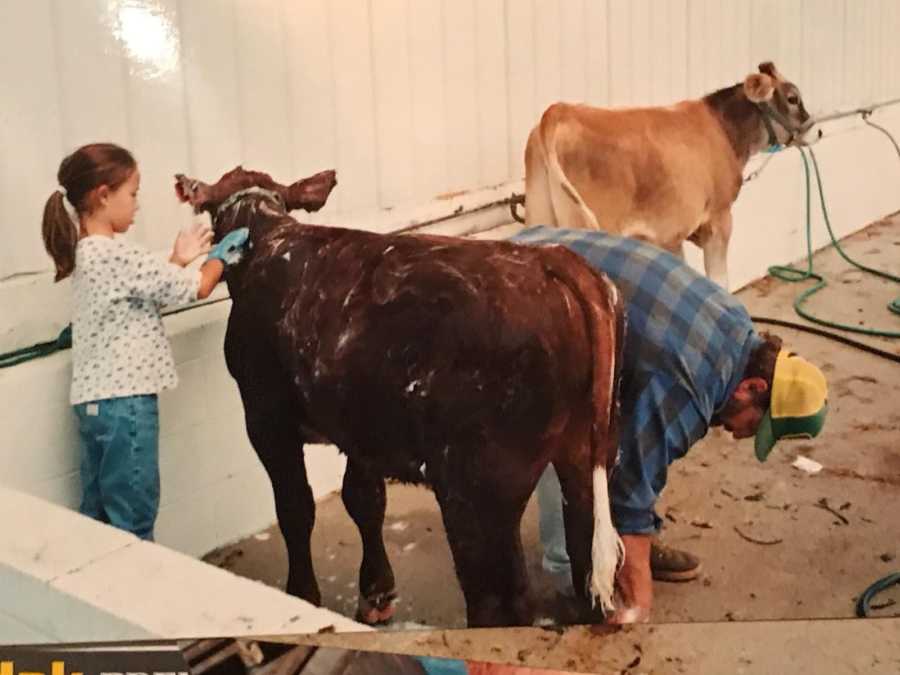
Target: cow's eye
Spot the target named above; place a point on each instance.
(793, 99)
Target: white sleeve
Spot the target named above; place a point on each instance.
(163, 282)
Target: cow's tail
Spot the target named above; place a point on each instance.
(568, 205)
(603, 309)
(538, 203)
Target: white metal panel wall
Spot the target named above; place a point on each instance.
(407, 99)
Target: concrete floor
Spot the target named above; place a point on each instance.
(823, 559)
(844, 646)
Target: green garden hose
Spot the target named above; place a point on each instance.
(862, 604)
(894, 306)
(793, 275)
(14, 358)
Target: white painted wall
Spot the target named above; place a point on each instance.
(408, 100)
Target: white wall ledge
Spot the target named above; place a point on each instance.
(74, 579)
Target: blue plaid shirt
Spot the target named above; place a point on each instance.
(686, 347)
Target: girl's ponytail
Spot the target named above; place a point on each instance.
(60, 235)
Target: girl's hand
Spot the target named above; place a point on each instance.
(191, 243)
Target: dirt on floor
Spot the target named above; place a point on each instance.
(775, 541)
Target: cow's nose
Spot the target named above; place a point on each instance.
(818, 134)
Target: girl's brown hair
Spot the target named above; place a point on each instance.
(82, 172)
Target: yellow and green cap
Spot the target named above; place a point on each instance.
(799, 403)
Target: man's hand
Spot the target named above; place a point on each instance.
(634, 581)
(231, 248)
(191, 243)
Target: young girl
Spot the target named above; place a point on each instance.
(121, 357)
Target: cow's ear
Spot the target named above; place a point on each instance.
(193, 192)
(310, 194)
(768, 68)
(759, 88)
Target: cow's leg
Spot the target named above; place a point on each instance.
(575, 478)
(715, 249)
(274, 418)
(365, 500)
(273, 431)
(482, 523)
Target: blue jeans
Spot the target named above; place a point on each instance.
(553, 530)
(120, 462)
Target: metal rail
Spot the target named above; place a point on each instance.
(867, 110)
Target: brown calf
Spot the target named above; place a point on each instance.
(465, 365)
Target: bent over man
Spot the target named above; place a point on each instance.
(692, 360)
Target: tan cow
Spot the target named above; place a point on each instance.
(662, 174)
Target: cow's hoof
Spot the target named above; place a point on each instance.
(378, 609)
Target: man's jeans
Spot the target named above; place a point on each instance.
(553, 531)
(120, 462)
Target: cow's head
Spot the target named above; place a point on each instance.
(784, 116)
(240, 196)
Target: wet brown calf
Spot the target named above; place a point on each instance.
(464, 365)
